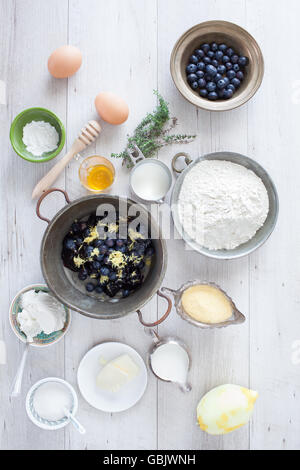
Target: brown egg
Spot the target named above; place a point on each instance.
(111, 108)
(64, 61)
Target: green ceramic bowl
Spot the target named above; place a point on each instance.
(25, 117)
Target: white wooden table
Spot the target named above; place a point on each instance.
(126, 46)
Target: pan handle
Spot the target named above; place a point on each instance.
(43, 197)
(162, 318)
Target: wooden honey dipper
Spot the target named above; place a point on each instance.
(88, 134)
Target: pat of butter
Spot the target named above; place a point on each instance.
(117, 373)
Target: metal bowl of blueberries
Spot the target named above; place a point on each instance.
(217, 65)
(103, 256)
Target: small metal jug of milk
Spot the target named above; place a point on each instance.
(150, 179)
(169, 360)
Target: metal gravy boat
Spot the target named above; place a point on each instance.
(236, 318)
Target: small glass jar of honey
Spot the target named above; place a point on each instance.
(96, 173)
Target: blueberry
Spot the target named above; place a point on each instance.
(230, 52)
(243, 61)
(199, 53)
(112, 276)
(236, 82)
(226, 80)
(211, 86)
(213, 96)
(205, 47)
(104, 271)
(86, 232)
(231, 74)
(99, 289)
(228, 65)
(203, 92)
(221, 84)
(70, 244)
(98, 243)
(125, 293)
(194, 85)
(199, 74)
(225, 59)
(228, 94)
(119, 243)
(193, 59)
(217, 77)
(79, 241)
(235, 59)
(150, 251)
(236, 67)
(214, 46)
(211, 70)
(90, 287)
(215, 63)
(110, 242)
(202, 83)
(240, 75)
(221, 69)
(221, 93)
(82, 275)
(201, 66)
(206, 60)
(222, 48)
(211, 54)
(103, 249)
(219, 55)
(96, 265)
(231, 87)
(192, 77)
(88, 251)
(191, 68)
(83, 226)
(99, 258)
(75, 227)
(123, 249)
(141, 265)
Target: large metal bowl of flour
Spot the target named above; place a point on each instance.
(261, 235)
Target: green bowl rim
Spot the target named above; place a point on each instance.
(53, 154)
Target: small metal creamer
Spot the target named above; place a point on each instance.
(138, 160)
(158, 342)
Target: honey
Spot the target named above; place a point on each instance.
(99, 177)
(96, 173)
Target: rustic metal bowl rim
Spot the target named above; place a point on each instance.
(202, 103)
(230, 254)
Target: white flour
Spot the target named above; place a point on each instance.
(40, 137)
(222, 204)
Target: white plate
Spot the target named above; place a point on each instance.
(90, 367)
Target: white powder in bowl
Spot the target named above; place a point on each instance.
(222, 204)
(40, 137)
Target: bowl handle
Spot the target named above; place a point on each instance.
(162, 318)
(43, 197)
(187, 160)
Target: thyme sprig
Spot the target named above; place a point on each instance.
(151, 134)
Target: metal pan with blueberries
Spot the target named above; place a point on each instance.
(217, 65)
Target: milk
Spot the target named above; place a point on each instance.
(150, 180)
(170, 361)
